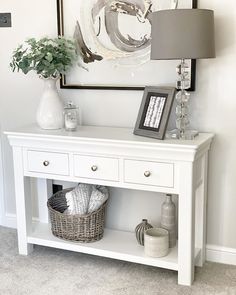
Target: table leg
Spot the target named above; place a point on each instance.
(186, 219)
(23, 202)
(201, 198)
(44, 191)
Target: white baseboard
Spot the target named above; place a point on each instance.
(221, 254)
(1, 220)
(9, 220)
(213, 253)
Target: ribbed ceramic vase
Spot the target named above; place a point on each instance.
(168, 219)
(50, 109)
(140, 230)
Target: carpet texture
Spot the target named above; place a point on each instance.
(50, 271)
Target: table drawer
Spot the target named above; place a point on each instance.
(47, 162)
(96, 167)
(149, 173)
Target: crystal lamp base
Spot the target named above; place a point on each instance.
(182, 120)
(176, 134)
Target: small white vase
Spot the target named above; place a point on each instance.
(50, 109)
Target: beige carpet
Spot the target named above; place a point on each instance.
(50, 271)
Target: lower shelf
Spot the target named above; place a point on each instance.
(115, 244)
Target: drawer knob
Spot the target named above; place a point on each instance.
(94, 168)
(46, 163)
(147, 173)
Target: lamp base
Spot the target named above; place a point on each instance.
(187, 135)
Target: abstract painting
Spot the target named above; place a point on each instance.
(113, 39)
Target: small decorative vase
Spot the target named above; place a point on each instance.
(140, 230)
(168, 219)
(156, 242)
(50, 109)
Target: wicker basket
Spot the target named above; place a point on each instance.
(82, 228)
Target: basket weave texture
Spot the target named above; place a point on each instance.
(82, 228)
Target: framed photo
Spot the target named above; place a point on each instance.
(113, 40)
(154, 112)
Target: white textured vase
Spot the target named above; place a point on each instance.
(168, 219)
(50, 109)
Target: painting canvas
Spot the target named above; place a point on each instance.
(113, 43)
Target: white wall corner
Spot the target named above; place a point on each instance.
(221, 254)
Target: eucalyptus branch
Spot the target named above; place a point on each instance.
(47, 57)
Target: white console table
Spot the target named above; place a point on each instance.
(121, 160)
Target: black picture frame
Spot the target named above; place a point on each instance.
(65, 85)
(154, 111)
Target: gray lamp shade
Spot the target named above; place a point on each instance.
(182, 33)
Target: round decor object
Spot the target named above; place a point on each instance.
(156, 242)
(140, 230)
(50, 109)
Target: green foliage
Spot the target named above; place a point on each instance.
(48, 57)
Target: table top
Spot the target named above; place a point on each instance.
(106, 134)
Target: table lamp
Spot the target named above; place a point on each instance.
(182, 34)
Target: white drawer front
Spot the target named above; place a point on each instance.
(46, 162)
(96, 167)
(149, 173)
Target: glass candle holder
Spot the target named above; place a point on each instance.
(71, 116)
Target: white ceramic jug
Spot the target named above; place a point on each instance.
(50, 109)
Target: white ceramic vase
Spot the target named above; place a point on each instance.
(50, 109)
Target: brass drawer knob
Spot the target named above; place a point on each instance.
(147, 173)
(94, 168)
(46, 163)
